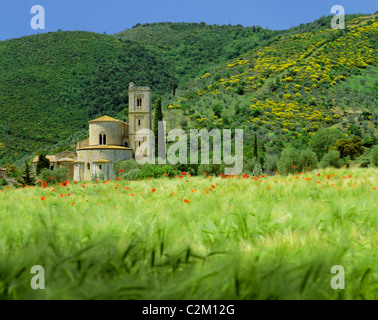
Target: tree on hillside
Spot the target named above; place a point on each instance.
(323, 140)
(350, 147)
(255, 155)
(374, 156)
(174, 87)
(42, 163)
(158, 117)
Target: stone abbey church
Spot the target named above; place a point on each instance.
(109, 140)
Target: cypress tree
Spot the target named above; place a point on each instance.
(27, 179)
(42, 163)
(255, 147)
(158, 117)
(174, 87)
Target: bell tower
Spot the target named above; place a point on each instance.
(139, 113)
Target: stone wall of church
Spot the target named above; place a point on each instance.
(139, 112)
(113, 131)
(88, 156)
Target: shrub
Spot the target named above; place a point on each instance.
(59, 175)
(156, 171)
(288, 161)
(331, 159)
(132, 170)
(374, 156)
(323, 140)
(211, 168)
(307, 160)
(271, 163)
(131, 174)
(368, 141)
(125, 166)
(3, 182)
(252, 166)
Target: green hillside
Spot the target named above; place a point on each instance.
(52, 84)
(282, 85)
(287, 90)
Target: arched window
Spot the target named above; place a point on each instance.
(100, 166)
(88, 166)
(138, 122)
(139, 102)
(102, 139)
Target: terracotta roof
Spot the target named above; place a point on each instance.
(51, 158)
(104, 147)
(66, 160)
(101, 161)
(106, 119)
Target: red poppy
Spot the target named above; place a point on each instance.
(73, 203)
(51, 178)
(153, 190)
(186, 201)
(43, 198)
(121, 170)
(293, 167)
(118, 178)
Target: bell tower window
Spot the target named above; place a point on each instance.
(102, 139)
(139, 102)
(138, 122)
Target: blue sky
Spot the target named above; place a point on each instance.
(114, 16)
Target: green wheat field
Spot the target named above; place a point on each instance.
(193, 237)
